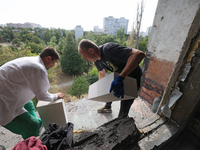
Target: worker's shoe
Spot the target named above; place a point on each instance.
(2, 147)
(104, 110)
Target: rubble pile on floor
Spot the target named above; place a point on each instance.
(117, 134)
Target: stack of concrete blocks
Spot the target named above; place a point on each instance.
(52, 112)
(100, 90)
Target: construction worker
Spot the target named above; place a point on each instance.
(115, 58)
(21, 80)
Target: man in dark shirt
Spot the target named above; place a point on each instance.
(115, 58)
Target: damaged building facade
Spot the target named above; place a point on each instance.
(171, 72)
(171, 68)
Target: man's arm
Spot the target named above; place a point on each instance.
(101, 74)
(134, 59)
(39, 85)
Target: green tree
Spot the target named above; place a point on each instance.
(16, 41)
(8, 31)
(47, 35)
(26, 35)
(35, 48)
(36, 39)
(143, 42)
(89, 36)
(37, 34)
(120, 37)
(71, 61)
(92, 76)
(17, 35)
(57, 35)
(60, 46)
(8, 53)
(79, 87)
(52, 42)
(7, 37)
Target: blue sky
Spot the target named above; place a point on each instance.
(66, 14)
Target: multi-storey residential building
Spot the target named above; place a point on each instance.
(25, 25)
(2, 25)
(112, 25)
(78, 32)
(35, 25)
(97, 30)
(148, 30)
(19, 25)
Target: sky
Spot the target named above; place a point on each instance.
(66, 14)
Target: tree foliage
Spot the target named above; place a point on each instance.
(143, 42)
(36, 39)
(27, 42)
(52, 42)
(120, 37)
(92, 76)
(79, 87)
(71, 60)
(6, 34)
(16, 41)
(10, 53)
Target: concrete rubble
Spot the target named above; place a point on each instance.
(118, 134)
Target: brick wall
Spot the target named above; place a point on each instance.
(156, 73)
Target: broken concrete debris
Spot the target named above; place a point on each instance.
(118, 134)
(176, 94)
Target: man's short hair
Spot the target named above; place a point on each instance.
(85, 44)
(50, 51)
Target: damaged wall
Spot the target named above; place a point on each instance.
(189, 102)
(166, 47)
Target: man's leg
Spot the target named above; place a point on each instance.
(125, 107)
(31, 109)
(108, 105)
(25, 125)
(106, 108)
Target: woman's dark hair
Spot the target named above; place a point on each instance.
(50, 51)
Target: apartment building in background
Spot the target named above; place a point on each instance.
(148, 30)
(3, 25)
(78, 31)
(111, 25)
(97, 30)
(23, 25)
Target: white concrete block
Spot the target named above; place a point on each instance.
(99, 91)
(52, 112)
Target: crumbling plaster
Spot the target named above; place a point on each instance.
(172, 22)
(175, 25)
(186, 48)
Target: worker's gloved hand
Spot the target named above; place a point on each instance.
(118, 87)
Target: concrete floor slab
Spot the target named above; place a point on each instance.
(83, 113)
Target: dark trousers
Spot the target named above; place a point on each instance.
(124, 106)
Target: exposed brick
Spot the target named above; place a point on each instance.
(155, 78)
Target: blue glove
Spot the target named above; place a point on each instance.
(118, 87)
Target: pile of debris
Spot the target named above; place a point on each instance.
(118, 134)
